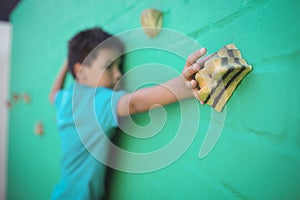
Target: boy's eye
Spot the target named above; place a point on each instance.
(109, 66)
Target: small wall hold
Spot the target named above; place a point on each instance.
(16, 97)
(8, 104)
(39, 128)
(26, 98)
(151, 20)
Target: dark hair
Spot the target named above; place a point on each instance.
(84, 46)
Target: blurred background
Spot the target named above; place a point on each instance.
(258, 153)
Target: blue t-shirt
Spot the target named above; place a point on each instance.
(86, 118)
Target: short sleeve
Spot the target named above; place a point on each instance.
(116, 96)
(58, 98)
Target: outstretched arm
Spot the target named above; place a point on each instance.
(171, 91)
(59, 81)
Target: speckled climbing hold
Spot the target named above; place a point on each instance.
(220, 75)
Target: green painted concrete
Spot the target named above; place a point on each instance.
(258, 153)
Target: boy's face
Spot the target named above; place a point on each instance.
(103, 71)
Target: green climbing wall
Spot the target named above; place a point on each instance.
(258, 153)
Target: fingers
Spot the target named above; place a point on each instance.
(191, 84)
(195, 56)
(188, 72)
(191, 68)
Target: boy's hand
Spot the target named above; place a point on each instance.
(190, 69)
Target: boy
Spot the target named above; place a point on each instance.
(97, 73)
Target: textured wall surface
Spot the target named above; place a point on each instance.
(258, 153)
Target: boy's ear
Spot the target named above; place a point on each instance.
(76, 69)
